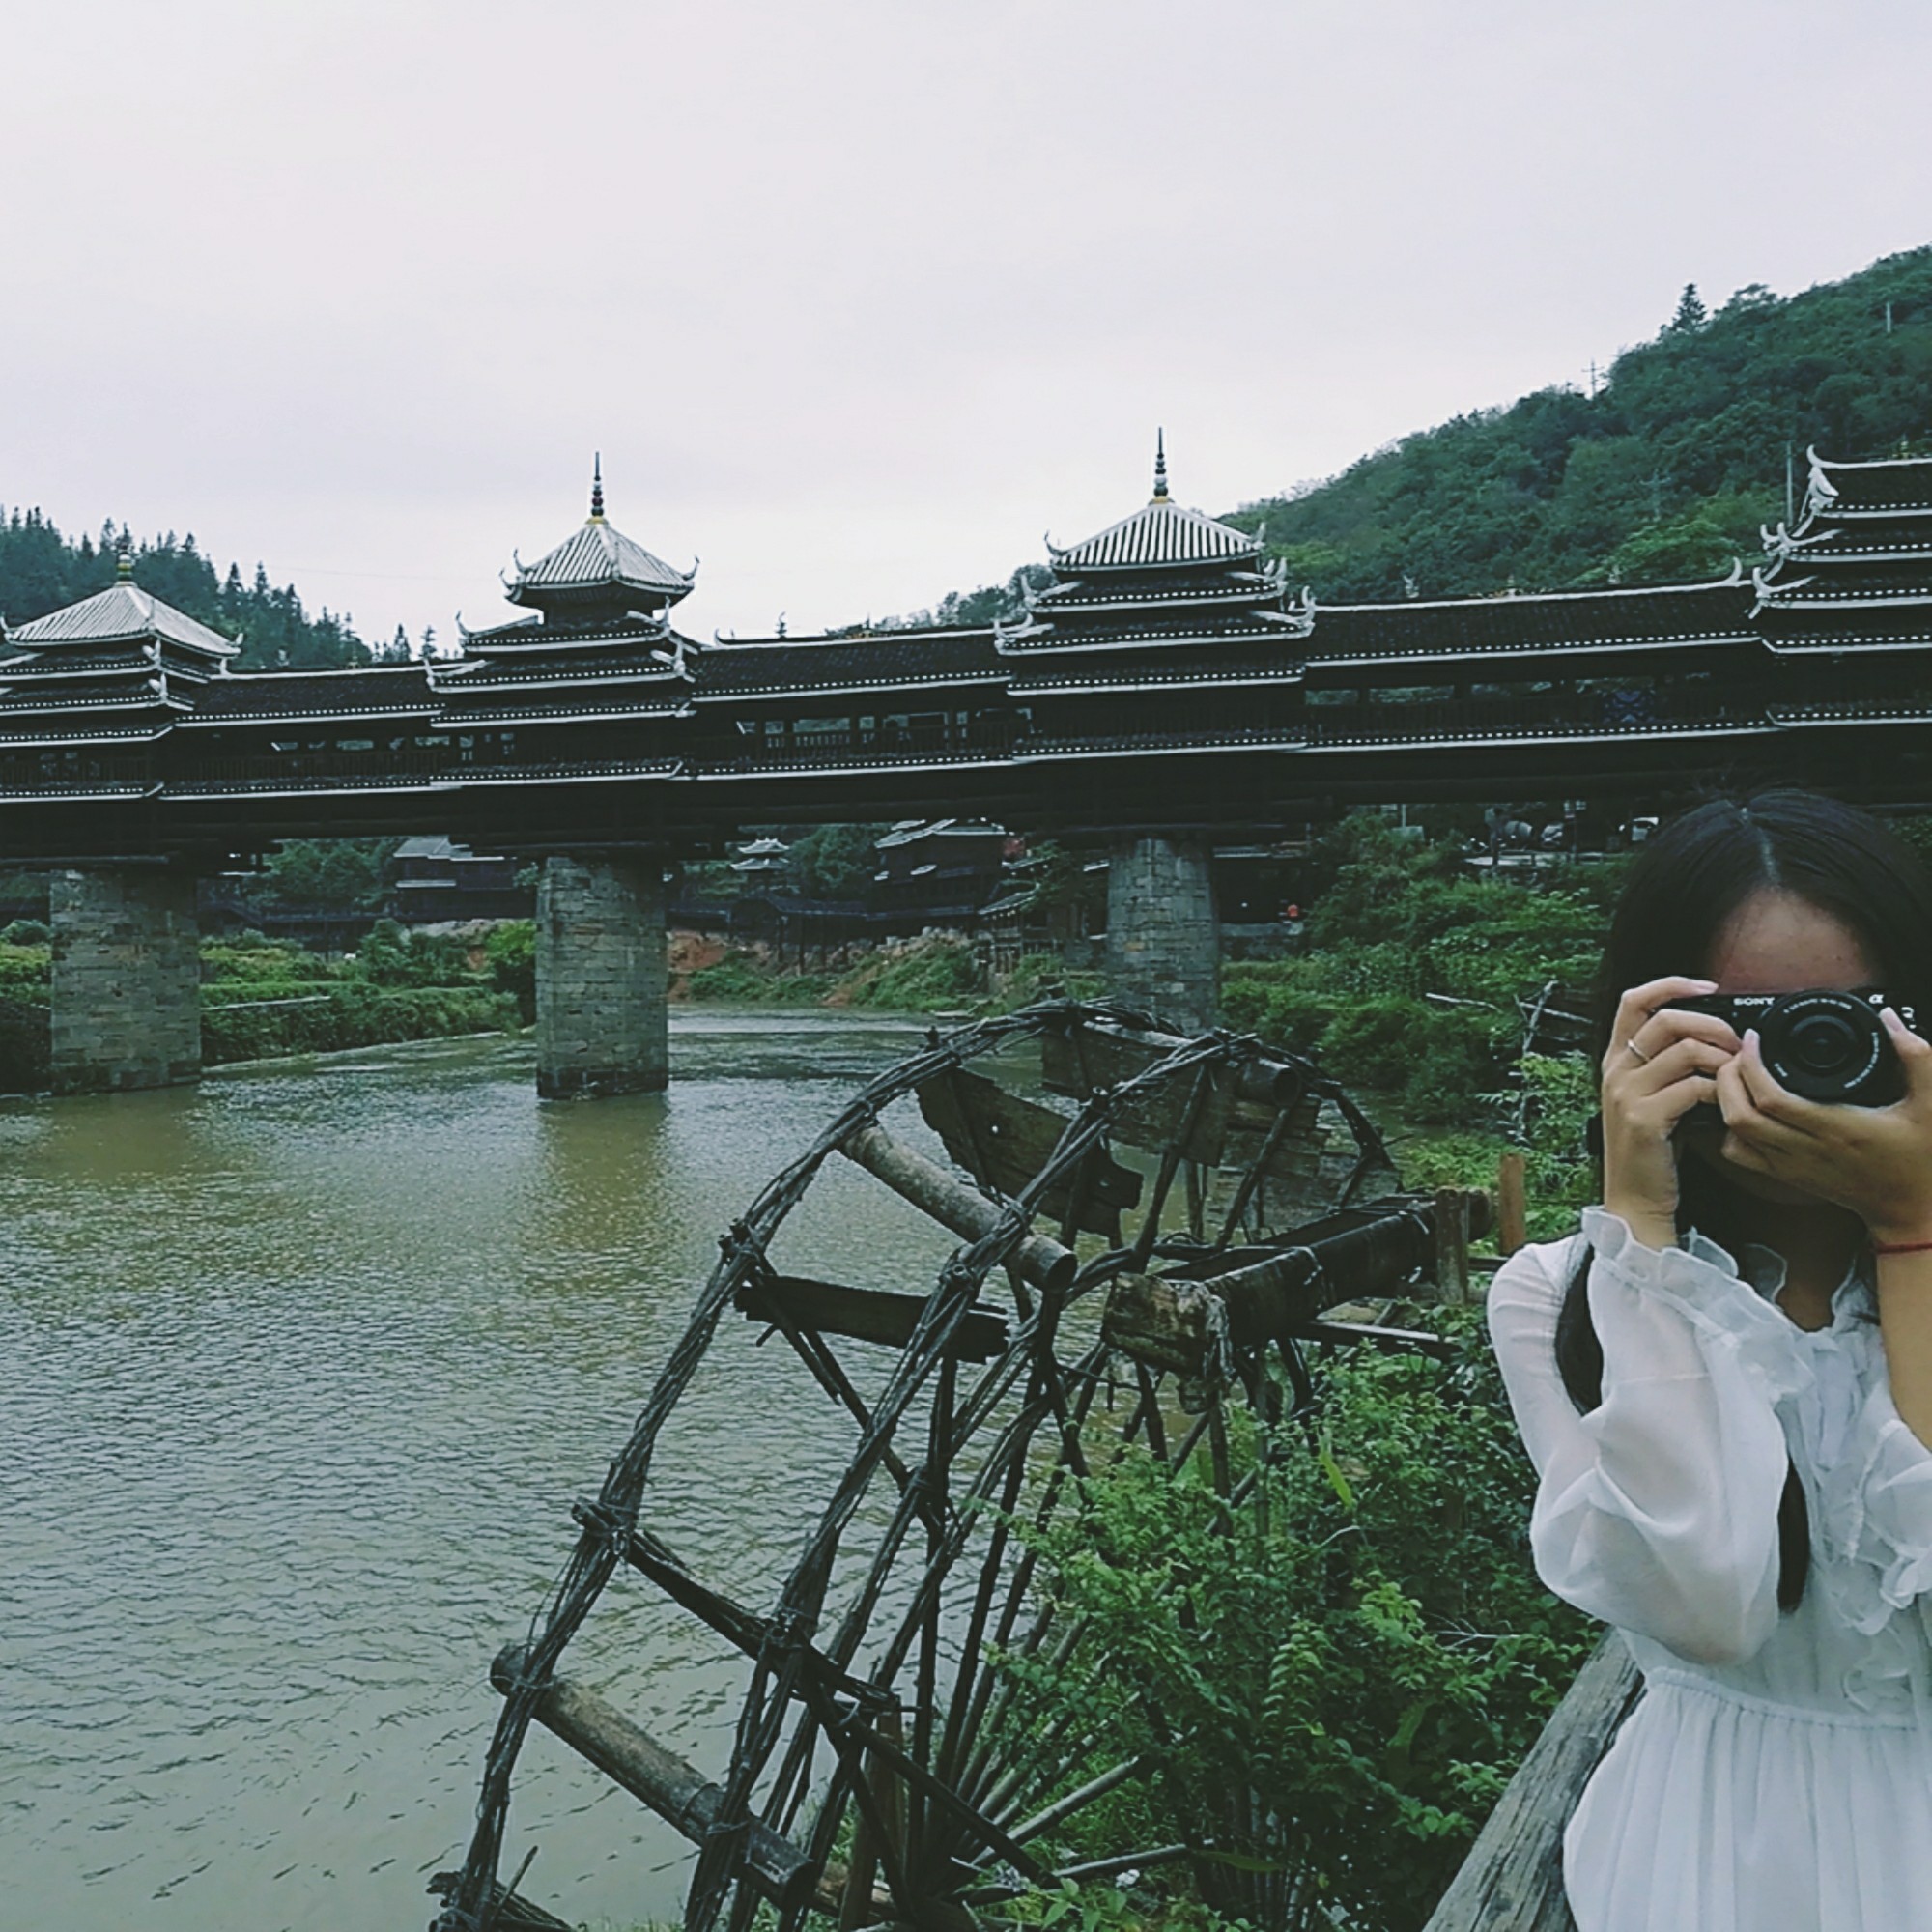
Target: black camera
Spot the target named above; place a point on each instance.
(1820, 1045)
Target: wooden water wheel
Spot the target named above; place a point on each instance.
(1171, 1224)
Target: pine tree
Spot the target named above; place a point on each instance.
(1692, 314)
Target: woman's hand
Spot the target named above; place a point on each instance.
(1877, 1161)
(1661, 1062)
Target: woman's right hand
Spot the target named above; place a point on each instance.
(1661, 1062)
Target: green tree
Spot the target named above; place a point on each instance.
(834, 862)
(330, 875)
(1692, 315)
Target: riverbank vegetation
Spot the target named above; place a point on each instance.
(1329, 1685)
(266, 999)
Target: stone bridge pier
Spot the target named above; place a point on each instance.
(603, 1026)
(126, 979)
(1163, 932)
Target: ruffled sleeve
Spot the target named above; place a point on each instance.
(1871, 1479)
(1657, 1511)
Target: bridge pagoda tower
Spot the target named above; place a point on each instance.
(86, 694)
(596, 643)
(1172, 607)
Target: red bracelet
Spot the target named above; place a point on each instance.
(1901, 1247)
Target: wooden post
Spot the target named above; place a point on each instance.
(857, 1905)
(1512, 1204)
(1513, 1879)
(1452, 1245)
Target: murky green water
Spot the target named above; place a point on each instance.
(299, 1373)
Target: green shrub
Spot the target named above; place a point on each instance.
(735, 977)
(254, 961)
(512, 953)
(391, 956)
(26, 932)
(26, 971)
(1370, 1654)
(350, 1015)
(927, 976)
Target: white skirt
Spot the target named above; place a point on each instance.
(1718, 1811)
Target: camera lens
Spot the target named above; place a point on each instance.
(1823, 1043)
(1829, 1046)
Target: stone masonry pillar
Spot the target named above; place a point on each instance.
(1163, 934)
(127, 979)
(602, 1022)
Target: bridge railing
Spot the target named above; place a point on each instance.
(807, 751)
(57, 771)
(1566, 715)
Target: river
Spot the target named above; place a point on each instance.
(300, 1370)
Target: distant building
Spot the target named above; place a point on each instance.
(438, 880)
(939, 872)
(762, 862)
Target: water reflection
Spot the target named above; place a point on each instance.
(301, 1372)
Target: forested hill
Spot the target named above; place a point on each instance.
(40, 570)
(1663, 475)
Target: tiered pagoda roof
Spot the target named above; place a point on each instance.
(597, 642)
(118, 666)
(1163, 578)
(1857, 572)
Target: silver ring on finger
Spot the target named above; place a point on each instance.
(1638, 1051)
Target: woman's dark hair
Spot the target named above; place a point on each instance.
(1683, 889)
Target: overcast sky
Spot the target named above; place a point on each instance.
(859, 299)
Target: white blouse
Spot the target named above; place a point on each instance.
(1777, 1776)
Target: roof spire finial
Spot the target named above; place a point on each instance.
(1160, 466)
(123, 565)
(597, 488)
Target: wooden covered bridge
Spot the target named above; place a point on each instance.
(1165, 689)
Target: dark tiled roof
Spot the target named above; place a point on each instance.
(1190, 632)
(1247, 586)
(531, 634)
(315, 693)
(903, 660)
(1143, 670)
(1579, 621)
(55, 665)
(1903, 484)
(1903, 576)
(489, 673)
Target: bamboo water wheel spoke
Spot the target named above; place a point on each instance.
(882, 1700)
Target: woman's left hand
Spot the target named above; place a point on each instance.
(1877, 1161)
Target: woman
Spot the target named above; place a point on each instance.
(1726, 1382)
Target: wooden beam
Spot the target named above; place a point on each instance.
(1164, 1320)
(966, 1211)
(683, 1797)
(867, 1315)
